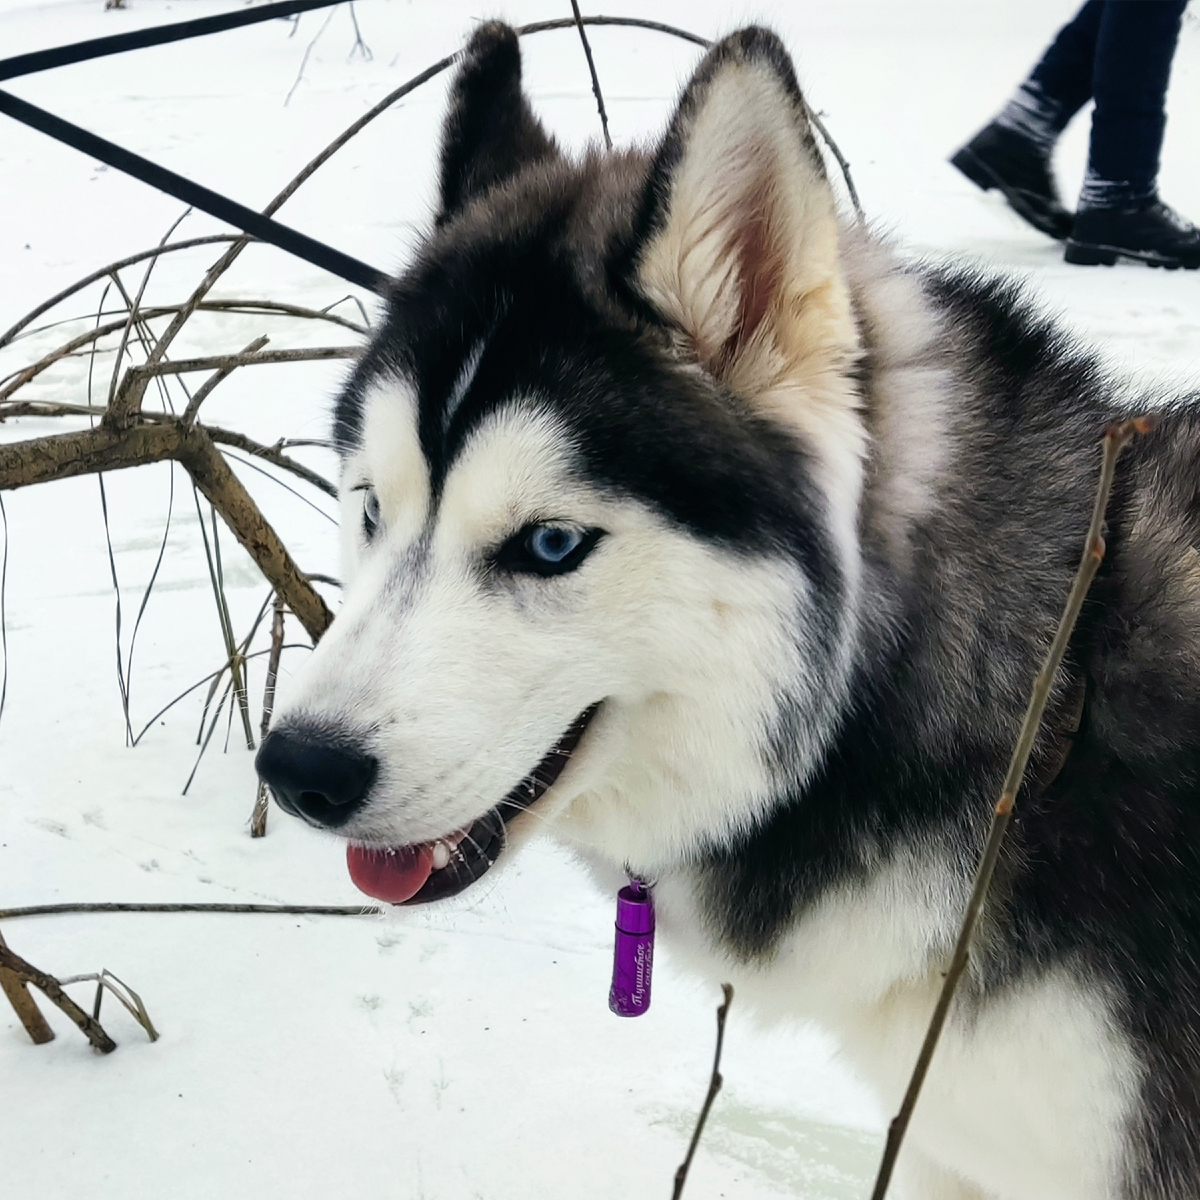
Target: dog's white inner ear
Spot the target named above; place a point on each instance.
(744, 256)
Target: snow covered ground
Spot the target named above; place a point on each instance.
(465, 1051)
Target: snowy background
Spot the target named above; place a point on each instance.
(465, 1051)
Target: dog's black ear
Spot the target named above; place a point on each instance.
(737, 242)
(490, 131)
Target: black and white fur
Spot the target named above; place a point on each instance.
(837, 502)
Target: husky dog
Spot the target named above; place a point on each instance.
(688, 522)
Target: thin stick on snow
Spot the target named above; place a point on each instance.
(359, 46)
(251, 307)
(9, 334)
(212, 675)
(127, 403)
(298, 910)
(307, 51)
(1116, 438)
(105, 980)
(25, 972)
(63, 455)
(24, 1004)
(219, 376)
(136, 304)
(258, 818)
(714, 1086)
(236, 659)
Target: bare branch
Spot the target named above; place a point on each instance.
(256, 307)
(24, 1005)
(230, 256)
(623, 22)
(47, 408)
(281, 483)
(104, 272)
(135, 305)
(105, 980)
(206, 388)
(268, 307)
(316, 910)
(258, 818)
(22, 377)
(271, 454)
(234, 652)
(819, 125)
(214, 477)
(714, 1086)
(218, 362)
(587, 50)
(128, 400)
(61, 456)
(1116, 439)
(307, 51)
(359, 46)
(25, 972)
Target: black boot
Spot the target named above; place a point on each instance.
(1150, 232)
(1001, 158)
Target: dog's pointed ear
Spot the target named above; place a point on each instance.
(737, 240)
(490, 131)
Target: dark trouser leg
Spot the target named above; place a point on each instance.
(1134, 49)
(1120, 215)
(1061, 84)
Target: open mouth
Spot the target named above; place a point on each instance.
(434, 870)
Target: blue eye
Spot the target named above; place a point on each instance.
(553, 543)
(547, 549)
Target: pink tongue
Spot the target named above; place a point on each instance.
(391, 875)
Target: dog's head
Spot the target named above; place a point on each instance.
(600, 472)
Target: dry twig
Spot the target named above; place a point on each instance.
(307, 51)
(300, 910)
(60, 456)
(104, 272)
(105, 980)
(1116, 438)
(218, 376)
(714, 1086)
(842, 163)
(272, 454)
(587, 50)
(17, 968)
(24, 1004)
(127, 403)
(226, 493)
(360, 47)
(258, 818)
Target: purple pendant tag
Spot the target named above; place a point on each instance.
(633, 952)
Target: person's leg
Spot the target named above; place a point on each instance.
(1013, 152)
(1120, 214)
(1061, 83)
(1133, 55)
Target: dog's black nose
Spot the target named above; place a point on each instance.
(324, 781)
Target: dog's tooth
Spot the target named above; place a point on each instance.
(441, 855)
